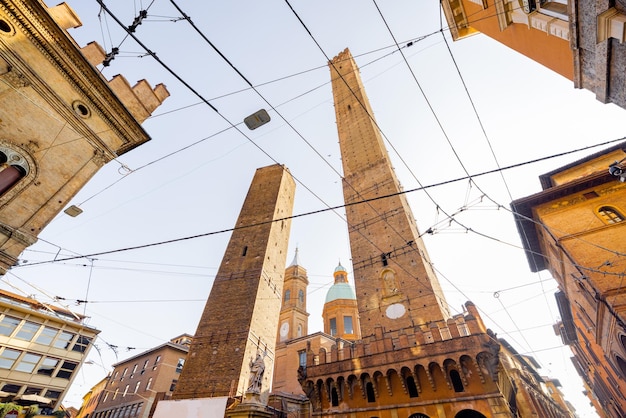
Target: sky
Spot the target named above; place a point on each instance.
(445, 109)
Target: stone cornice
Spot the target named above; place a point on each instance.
(63, 53)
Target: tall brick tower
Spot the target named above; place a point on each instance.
(395, 284)
(240, 320)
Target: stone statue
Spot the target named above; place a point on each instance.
(257, 368)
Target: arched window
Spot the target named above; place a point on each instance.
(457, 383)
(411, 387)
(287, 295)
(299, 332)
(610, 215)
(622, 365)
(13, 167)
(419, 415)
(334, 398)
(369, 390)
(300, 296)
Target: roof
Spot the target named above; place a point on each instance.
(340, 291)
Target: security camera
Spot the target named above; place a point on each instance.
(617, 171)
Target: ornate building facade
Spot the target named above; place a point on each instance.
(582, 40)
(61, 119)
(573, 229)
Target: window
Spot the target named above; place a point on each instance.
(302, 358)
(134, 369)
(32, 390)
(333, 326)
(456, 380)
(299, 334)
(106, 396)
(63, 340)
(301, 296)
(11, 388)
(8, 325)
(173, 385)
(124, 373)
(334, 398)
(8, 357)
(179, 365)
(53, 394)
(46, 336)
(347, 325)
(28, 363)
(287, 295)
(369, 389)
(610, 215)
(13, 167)
(149, 384)
(27, 331)
(157, 359)
(146, 364)
(117, 390)
(411, 387)
(125, 391)
(82, 343)
(66, 370)
(137, 387)
(47, 366)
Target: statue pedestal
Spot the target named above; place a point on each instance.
(250, 407)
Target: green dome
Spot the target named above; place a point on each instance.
(340, 291)
(340, 268)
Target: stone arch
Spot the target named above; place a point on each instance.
(454, 375)
(333, 393)
(368, 386)
(18, 170)
(393, 381)
(351, 384)
(423, 377)
(437, 375)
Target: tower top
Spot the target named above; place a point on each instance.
(296, 261)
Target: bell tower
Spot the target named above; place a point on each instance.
(294, 318)
(396, 286)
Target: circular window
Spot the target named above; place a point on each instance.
(6, 28)
(81, 109)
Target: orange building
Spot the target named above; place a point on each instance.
(341, 313)
(580, 39)
(573, 228)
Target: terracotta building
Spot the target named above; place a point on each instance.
(582, 40)
(61, 119)
(341, 312)
(42, 348)
(414, 358)
(573, 229)
(139, 382)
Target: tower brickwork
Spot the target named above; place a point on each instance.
(240, 320)
(395, 284)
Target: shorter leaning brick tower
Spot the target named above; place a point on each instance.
(240, 320)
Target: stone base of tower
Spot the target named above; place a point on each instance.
(251, 407)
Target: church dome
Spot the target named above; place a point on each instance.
(340, 291)
(340, 268)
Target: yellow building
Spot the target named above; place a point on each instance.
(61, 120)
(42, 348)
(580, 39)
(573, 229)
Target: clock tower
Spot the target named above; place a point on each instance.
(294, 318)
